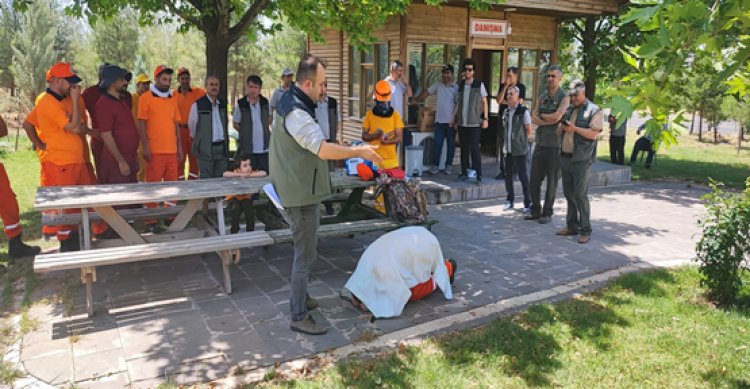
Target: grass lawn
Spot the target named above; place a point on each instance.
(649, 330)
(690, 160)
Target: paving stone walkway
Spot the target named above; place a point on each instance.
(171, 319)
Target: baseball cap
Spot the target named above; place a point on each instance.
(575, 86)
(448, 67)
(287, 72)
(63, 70)
(382, 91)
(162, 69)
(112, 73)
(142, 79)
(182, 70)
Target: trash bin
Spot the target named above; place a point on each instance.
(413, 165)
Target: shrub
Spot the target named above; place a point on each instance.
(724, 249)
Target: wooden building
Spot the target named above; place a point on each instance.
(522, 33)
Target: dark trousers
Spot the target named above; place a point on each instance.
(501, 145)
(617, 149)
(545, 164)
(444, 132)
(259, 162)
(469, 137)
(304, 222)
(519, 163)
(215, 164)
(645, 145)
(238, 207)
(575, 177)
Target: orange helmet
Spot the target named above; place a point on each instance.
(383, 91)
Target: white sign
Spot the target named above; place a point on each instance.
(489, 28)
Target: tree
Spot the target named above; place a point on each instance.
(34, 49)
(591, 40)
(223, 22)
(10, 24)
(673, 31)
(116, 39)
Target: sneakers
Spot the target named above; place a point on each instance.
(532, 216)
(309, 326)
(508, 205)
(527, 211)
(566, 232)
(462, 177)
(544, 220)
(311, 303)
(447, 170)
(434, 170)
(18, 249)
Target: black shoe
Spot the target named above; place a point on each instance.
(532, 217)
(462, 177)
(545, 219)
(478, 182)
(234, 229)
(500, 176)
(70, 244)
(109, 234)
(454, 265)
(18, 249)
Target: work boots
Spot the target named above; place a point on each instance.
(18, 249)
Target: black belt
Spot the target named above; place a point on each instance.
(219, 143)
(568, 155)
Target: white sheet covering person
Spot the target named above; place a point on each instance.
(394, 263)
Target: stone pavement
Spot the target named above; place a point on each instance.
(171, 320)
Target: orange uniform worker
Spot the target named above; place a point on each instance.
(10, 214)
(158, 116)
(186, 96)
(31, 125)
(62, 122)
(142, 85)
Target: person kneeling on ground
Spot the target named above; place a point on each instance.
(401, 266)
(240, 204)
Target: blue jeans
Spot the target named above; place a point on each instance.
(444, 132)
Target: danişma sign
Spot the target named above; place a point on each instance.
(489, 28)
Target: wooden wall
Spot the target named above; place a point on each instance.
(437, 24)
(532, 31)
(571, 7)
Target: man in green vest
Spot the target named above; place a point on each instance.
(516, 129)
(207, 123)
(545, 162)
(299, 157)
(581, 126)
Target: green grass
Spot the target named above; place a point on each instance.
(690, 160)
(652, 329)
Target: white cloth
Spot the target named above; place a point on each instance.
(398, 91)
(394, 263)
(160, 93)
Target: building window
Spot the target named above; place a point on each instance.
(532, 65)
(425, 64)
(366, 67)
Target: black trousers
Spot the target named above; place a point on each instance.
(238, 207)
(645, 145)
(469, 137)
(617, 149)
(545, 164)
(519, 163)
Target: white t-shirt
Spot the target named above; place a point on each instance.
(398, 90)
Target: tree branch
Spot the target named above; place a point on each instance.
(580, 31)
(184, 15)
(247, 18)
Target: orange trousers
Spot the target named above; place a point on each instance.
(187, 155)
(67, 175)
(9, 207)
(162, 167)
(423, 290)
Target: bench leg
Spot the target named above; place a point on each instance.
(88, 277)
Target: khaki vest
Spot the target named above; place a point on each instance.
(204, 129)
(546, 136)
(583, 148)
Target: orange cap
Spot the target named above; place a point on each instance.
(162, 69)
(365, 172)
(182, 70)
(383, 91)
(63, 70)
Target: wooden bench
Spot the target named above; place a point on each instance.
(227, 246)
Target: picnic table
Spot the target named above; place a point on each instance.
(196, 228)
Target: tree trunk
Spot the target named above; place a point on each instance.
(739, 139)
(590, 62)
(217, 57)
(692, 123)
(700, 127)
(716, 132)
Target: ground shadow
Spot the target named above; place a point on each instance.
(392, 371)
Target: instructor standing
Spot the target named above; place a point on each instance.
(298, 158)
